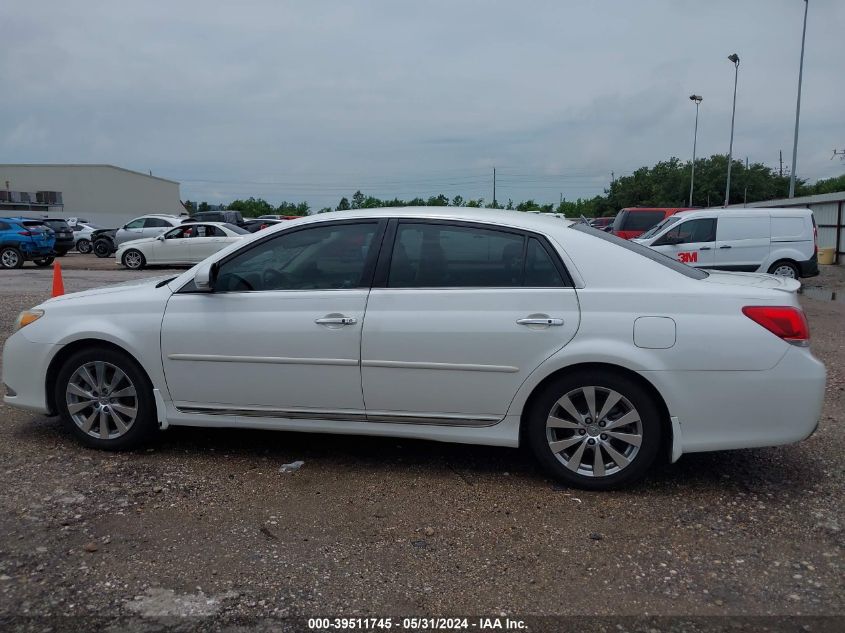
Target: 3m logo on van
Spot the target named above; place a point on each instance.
(688, 257)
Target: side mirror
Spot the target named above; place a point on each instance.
(160, 238)
(203, 277)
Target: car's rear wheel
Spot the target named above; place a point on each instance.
(105, 400)
(44, 261)
(10, 257)
(785, 268)
(595, 430)
(83, 246)
(134, 259)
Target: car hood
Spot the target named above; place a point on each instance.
(754, 280)
(127, 286)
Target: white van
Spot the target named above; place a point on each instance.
(776, 241)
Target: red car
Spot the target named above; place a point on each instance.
(634, 221)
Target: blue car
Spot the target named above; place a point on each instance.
(24, 239)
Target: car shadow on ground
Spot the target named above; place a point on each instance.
(761, 470)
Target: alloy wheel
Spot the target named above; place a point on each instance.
(132, 259)
(101, 400)
(10, 259)
(594, 431)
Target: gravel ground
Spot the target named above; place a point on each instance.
(205, 524)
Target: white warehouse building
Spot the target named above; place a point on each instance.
(103, 194)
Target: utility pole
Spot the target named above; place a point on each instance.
(697, 99)
(780, 160)
(798, 107)
(494, 187)
(735, 59)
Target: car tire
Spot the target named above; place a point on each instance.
(102, 248)
(61, 253)
(10, 257)
(591, 453)
(41, 262)
(105, 400)
(785, 268)
(133, 259)
(83, 246)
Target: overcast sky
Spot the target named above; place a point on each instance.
(311, 100)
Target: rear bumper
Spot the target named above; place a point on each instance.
(809, 268)
(718, 410)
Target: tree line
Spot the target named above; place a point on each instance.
(666, 184)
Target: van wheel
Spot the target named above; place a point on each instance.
(595, 430)
(105, 400)
(785, 268)
(11, 257)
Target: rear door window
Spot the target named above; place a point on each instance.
(429, 255)
(156, 223)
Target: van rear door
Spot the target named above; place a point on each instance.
(743, 242)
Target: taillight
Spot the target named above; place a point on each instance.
(786, 322)
(26, 233)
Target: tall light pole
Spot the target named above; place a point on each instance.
(798, 106)
(697, 99)
(735, 59)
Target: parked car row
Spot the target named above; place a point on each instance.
(26, 239)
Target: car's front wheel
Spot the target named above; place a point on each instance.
(134, 259)
(595, 430)
(102, 248)
(83, 246)
(10, 257)
(105, 400)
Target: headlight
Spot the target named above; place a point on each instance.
(26, 317)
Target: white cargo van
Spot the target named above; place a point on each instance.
(776, 241)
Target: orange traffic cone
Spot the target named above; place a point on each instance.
(58, 283)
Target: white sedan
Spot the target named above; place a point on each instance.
(186, 244)
(459, 325)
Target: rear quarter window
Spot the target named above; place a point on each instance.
(645, 251)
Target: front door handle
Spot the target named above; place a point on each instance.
(540, 321)
(704, 248)
(336, 320)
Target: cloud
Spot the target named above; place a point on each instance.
(294, 100)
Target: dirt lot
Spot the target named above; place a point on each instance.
(205, 524)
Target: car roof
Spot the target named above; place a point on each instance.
(746, 211)
(190, 224)
(539, 222)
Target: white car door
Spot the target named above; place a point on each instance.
(743, 241)
(280, 335)
(459, 316)
(173, 249)
(207, 240)
(691, 242)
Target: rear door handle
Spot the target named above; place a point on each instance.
(704, 248)
(541, 321)
(724, 247)
(341, 320)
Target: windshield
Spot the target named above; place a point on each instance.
(645, 251)
(659, 227)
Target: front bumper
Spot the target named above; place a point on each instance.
(25, 366)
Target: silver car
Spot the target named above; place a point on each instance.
(151, 225)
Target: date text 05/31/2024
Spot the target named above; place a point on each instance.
(417, 624)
